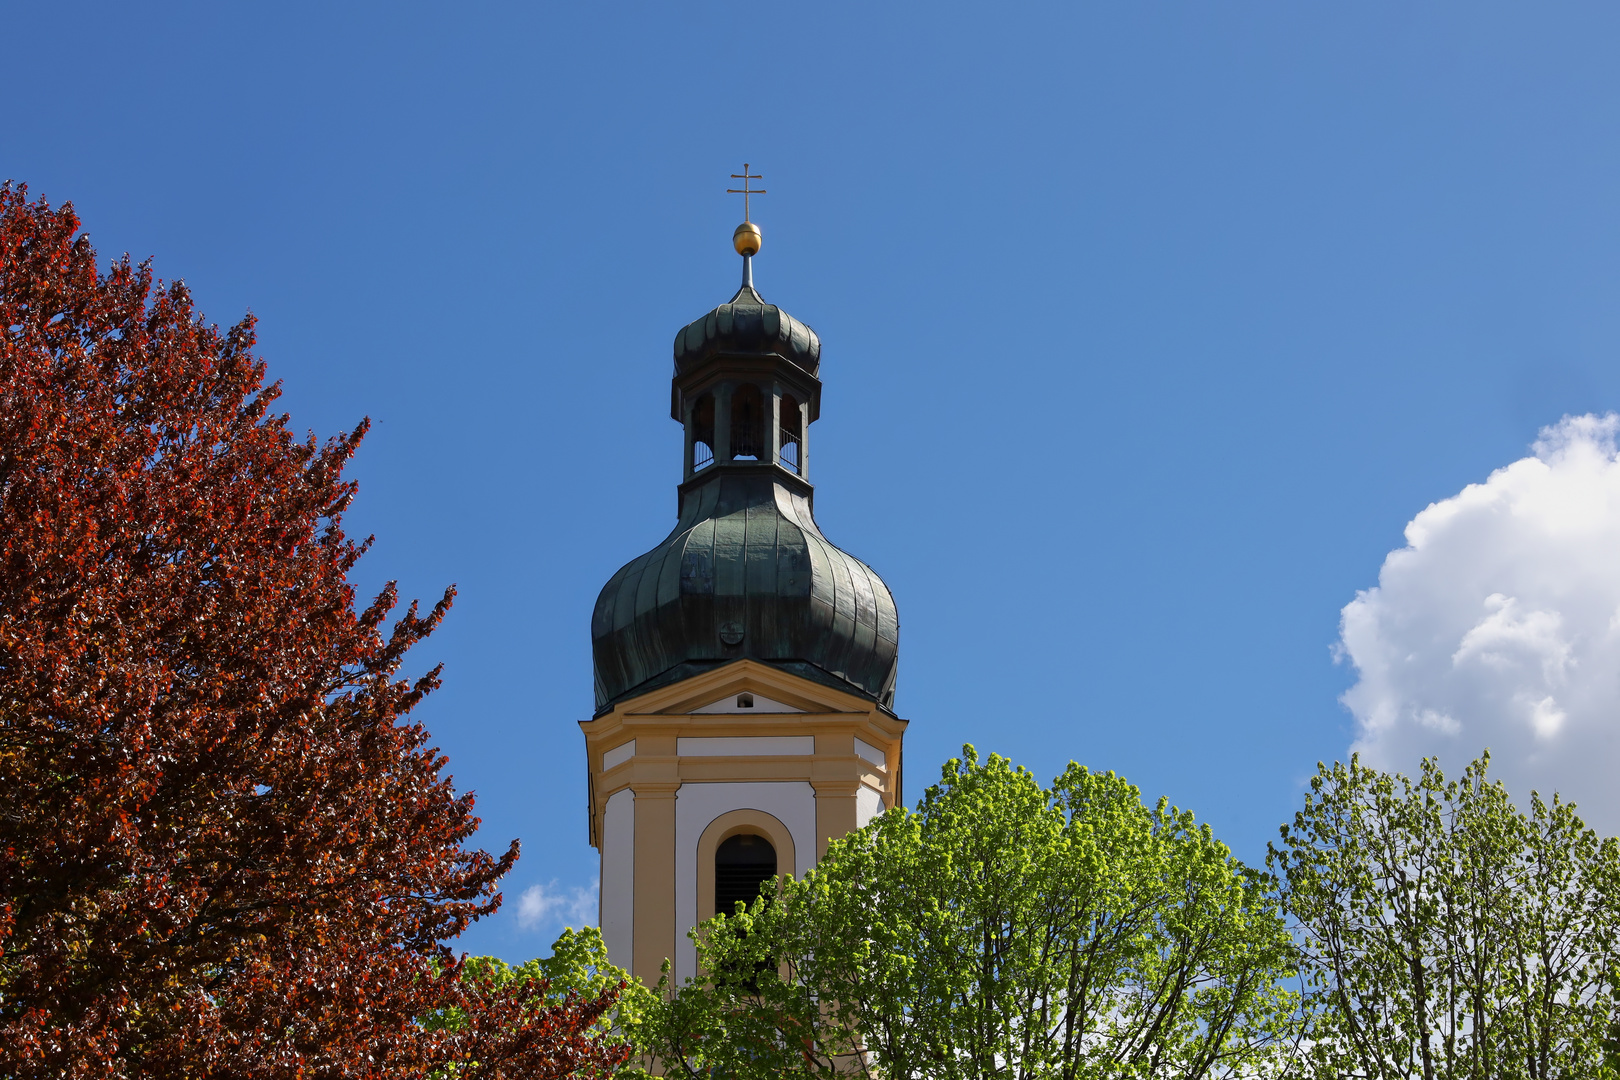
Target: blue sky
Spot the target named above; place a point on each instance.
(1147, 328)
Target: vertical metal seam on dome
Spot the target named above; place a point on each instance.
(729, 538)
(624, 596)
(639, 642)
(700, 542)
(843, 614)
(786, 568)
(647, 588)
(865, 621)
(886, 612)
(669, 573)
(602, 616)
(759, 550)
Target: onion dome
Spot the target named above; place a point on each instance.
(746, 573)
(747, 324)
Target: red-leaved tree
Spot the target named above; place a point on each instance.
(224, 850)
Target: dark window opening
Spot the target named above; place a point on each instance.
(703, 433)
(742, 865)
(747, 423)
(792, 455)
(745, 701)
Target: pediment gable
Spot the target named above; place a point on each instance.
(774, 692)
(747, 702)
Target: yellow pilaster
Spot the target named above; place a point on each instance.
(655, 879)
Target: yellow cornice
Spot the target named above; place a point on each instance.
(738, 677)
(658, 720)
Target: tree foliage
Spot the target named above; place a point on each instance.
(1453, 935)
(1002, 930)
(224, 848)
(577, 970)
(578, 967)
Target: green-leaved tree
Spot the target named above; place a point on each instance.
(578, 970)
(1002, 930)
(1451, 934)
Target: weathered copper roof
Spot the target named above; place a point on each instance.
(747, 324)
(746, 573)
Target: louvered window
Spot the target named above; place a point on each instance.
(741, 865)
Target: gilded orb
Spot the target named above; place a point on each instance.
(747, 239)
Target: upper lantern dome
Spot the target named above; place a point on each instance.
(747, 324)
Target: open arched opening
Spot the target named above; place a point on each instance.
(747, 423)
(792, 453)
(703, 432)
(742, 865)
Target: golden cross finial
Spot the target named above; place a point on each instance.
(745, 191)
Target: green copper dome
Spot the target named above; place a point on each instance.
(746, 573)
(747, 324)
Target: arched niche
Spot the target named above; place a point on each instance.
(737, 823)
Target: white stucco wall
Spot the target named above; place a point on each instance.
(870, 752)
(618, 755)
(868, 805)
(696, 805)
(618, 897)
(746, 745)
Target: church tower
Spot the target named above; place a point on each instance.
(745, 666)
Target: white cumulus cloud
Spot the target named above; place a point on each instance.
(1498, 625)
(549, 906)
